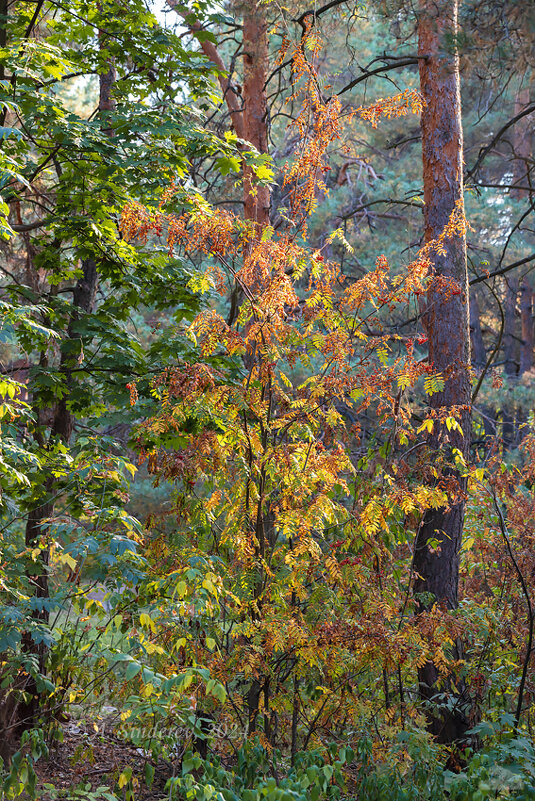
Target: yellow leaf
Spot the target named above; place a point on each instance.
(123, 780)
(67, 559)
(427, 425)
(146, 620)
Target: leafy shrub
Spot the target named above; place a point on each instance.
(255, 777)
(503, 768)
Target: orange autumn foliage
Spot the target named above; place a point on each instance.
(273, 482)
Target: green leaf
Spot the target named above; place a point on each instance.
(132, 670)
(228, 164)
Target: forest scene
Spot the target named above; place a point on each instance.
(267, 449)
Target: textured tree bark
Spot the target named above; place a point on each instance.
(250, 122)
(436, 556)
(230, 91)
(256, 207)
(510, 359)
(526, 319)
(255, 72)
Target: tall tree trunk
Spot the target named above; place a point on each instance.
(250, 117)
(447, 322)
(510, 360)
(250, 122)
(231, 94)
(84, 296)
(526, 319)
(522, 133)
(255, 72)
(256, 203)
(518, 356)
(509, 339)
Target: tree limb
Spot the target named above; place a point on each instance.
(484, 152)
(230, 92)
(317, 12)
(503, 270)
(378, 70)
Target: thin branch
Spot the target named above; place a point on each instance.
(503, 270)
(406, 62)
(484, 152)
(25, 227)
(494, 353)
(317, 12)
(531, 618)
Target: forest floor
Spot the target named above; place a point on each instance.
(88, 762)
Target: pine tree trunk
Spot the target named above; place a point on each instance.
(517, 356)
(510, 343)
(447, 322)
(526, 319)
(250, 122)
(255, 72)
(256, 203)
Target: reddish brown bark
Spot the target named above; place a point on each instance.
(526, 318)
(526, 352)
(446, 319)
(250, 122)
(231, 94)
(249, 118)
(255, 71)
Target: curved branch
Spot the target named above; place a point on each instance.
(230, 92)
(531, 616)
(317, 12)
(503, 270)
(486, 150)
(378, 70)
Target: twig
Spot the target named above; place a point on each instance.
(528, 604)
